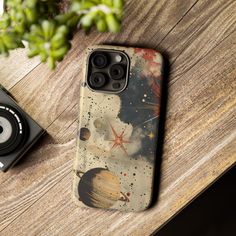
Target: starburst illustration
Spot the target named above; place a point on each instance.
(119, 140)
(155, 107)
(151, 135)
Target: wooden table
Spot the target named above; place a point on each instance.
(199, 38)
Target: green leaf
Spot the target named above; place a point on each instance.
(113, 23)
(48, 31)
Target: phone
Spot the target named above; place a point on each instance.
(118, 127)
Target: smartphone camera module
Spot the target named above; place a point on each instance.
(107, 71)
(18, 131)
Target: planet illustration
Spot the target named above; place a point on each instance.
(98, 124)
(84, 134)
(100, 188)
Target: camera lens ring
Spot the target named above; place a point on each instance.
(18, 130)
(117, 72)
(99, 60)
(97, 80)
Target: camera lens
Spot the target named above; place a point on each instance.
(97, 80)
(117, 72)
(13, 129)
(5, 130)
(99, 60)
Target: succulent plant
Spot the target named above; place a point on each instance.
(48, 25)
(48, 40)
(9, 39)
(105, 14)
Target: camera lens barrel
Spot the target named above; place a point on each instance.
(13, 129)
(97, 80)
(117, 72)
(99, 60)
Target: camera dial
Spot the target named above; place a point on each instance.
(12, 129)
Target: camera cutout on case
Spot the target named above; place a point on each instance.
(107, 71)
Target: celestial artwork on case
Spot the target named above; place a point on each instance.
(117, 138)
(100, 188)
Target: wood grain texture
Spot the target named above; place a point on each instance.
(200, 134)
(16, 67)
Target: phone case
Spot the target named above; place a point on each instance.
(117, 137)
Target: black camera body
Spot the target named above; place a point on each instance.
(18, 131)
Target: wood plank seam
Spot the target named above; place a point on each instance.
(173, 81)
(193, 199)
(26, 209)
(185, 14)
(194, 36)
(12, 87)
